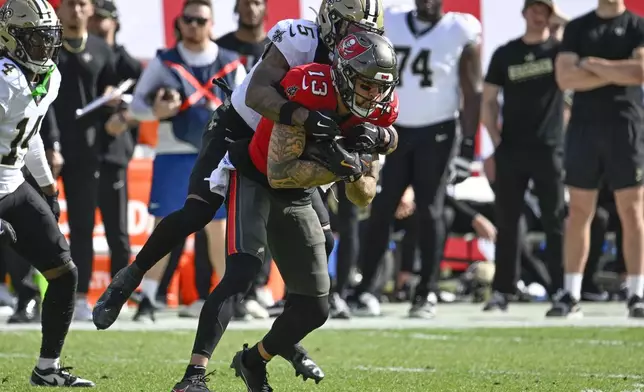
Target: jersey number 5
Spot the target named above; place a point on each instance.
(20, 142)
(419, 66)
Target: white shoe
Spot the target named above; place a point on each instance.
(367, 306)
(193, 310)
(255, 309)
(82, 310)
(265, 297)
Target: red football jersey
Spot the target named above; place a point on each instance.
(311, 85)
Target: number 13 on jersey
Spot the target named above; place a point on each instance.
(420, 65)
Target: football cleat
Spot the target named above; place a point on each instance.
(197, 383)
(636, 307)
(256, 379)
(58, 378)
(304, 365)
(565, 306)
(110, 303)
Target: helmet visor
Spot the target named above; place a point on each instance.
(40, 43)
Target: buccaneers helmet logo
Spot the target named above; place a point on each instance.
(351, 46)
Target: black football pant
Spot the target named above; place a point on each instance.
(346, 225)
(87, 188)
(514, 169)
(421, 160)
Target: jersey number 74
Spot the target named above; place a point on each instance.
(419, 66)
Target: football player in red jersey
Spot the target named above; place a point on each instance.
(269, 190)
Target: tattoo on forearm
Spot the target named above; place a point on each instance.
(285, 169)
(262, 95)
(362, 192)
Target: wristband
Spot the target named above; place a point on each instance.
(286, 112)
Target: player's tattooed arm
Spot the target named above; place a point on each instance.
(285, 169)
(628, 72)
(362, 191)
(471, 81)
(262, 96)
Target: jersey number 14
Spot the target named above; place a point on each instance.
(20, 142)
(419, 66)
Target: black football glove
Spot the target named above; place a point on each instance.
(7, 233)
(467, 148)
(321, 125)
(52, 201)
(337, 160)
(369, 138)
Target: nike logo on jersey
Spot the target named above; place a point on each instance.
(322, 125)
(304, 86)
(345, 164)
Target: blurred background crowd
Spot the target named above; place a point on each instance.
(118, 181)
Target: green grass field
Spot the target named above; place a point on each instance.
(504, 360)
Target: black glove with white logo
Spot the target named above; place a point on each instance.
(369, 138)
(52, 202)
(7, 233)
(344, 164)
(321, 125)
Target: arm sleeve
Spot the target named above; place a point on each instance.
(128, 67)
(570, 41)
(49, 131)
(297, 48)
(152, 78)
(36, 162)
(496, 70)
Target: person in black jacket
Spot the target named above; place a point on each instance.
(95, 154)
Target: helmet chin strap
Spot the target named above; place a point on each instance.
(41, 88)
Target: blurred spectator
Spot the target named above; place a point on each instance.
(428, 136)
(95, 162)
(529, 146)
(177, 89)
(249, 40)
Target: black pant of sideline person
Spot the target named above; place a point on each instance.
(86, 188)
(514, 169)
(421, 160)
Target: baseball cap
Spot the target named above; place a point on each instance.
(105, 9)
(549, 3)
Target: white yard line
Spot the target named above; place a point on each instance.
(508, 339)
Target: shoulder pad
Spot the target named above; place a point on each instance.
(296, 39)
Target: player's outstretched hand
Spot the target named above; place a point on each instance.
(369, 138)
(7, 233)
(321, 125)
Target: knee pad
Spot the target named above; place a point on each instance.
(196, 214)
(329, 242)
(314, 311)
(241, 270)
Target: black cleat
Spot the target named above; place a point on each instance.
(146, 309)
(58, 378)
(636, 307)
(197, 383)
(304, 365)
(565, 306)
(256, 379)
(26, 313)
(109, 305)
